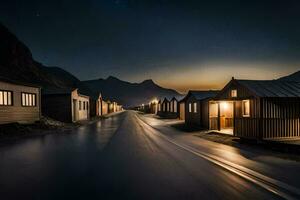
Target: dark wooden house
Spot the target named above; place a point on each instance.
(95, 105)
(65, 105)
(165, 107)
(257, 109)
(173, 111)
(197, 107)
(19, 102)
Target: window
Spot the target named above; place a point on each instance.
(171, 106)
(246, 108)
(87, 105)
(175, 106)
(79, 105)
(28, 99)
(84, 105)
(195, 107)
(190, 107)
(6, 98)
(233, 93)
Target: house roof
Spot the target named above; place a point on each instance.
(201, 94)
(4, 79)
(272, 88)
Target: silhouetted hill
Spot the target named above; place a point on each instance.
(293, 77)
(17, 63)
(129, 94)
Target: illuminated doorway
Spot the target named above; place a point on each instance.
(226, 117)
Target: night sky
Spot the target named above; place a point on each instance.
(184, 44)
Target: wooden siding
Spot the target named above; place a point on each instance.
(205, 114)
(16, 112)
(182, 111)
(192, 118)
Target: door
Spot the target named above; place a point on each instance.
(226, 117)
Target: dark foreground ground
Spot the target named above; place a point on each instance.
(128, 156)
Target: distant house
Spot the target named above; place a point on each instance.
(65, 105)
(19, 102)
(104, 107)
(174, 112)
(96, 105)
(257, 109)
(197, 107)
(165, 107)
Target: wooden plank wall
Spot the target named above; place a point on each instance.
(280, 119)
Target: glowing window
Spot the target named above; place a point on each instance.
(246, 108)
(233, 93)
(190, 107)
(28, 100)
(195, 107)
(5, 98)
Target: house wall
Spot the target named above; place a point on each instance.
(192, 118)
(279, 119)
(17, 112)
(57, 107)
(205, 113)
(93, 107)
(104, 108)
(83, 114)
(182, 111)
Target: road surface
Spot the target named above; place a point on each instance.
(123, 157)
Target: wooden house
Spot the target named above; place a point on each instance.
(165, 107)
(65, 105)
(197, 107)
(19, 102)
(257, 109)
(173, 111)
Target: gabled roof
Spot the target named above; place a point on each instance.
(200, 94)
(271, 88)
(166, 99)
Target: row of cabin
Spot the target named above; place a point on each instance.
(251, 109)
(25, 103)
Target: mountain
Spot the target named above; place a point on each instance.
(293, 77)
(129, 94)
(17, 63)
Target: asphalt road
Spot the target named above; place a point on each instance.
(122, 157)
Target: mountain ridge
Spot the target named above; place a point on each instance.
(18, 64)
